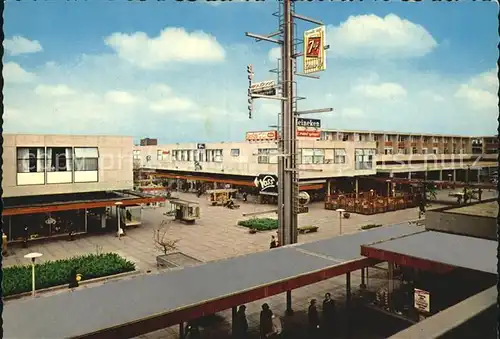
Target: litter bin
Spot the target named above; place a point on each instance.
(4, 244)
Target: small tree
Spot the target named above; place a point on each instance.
(161, 241)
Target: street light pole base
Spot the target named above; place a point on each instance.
(289, 312)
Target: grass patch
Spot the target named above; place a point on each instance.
(17, 279)
(370, 226)
(260, 224)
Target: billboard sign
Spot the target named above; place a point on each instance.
(314, 50)
(264, 88)
(267, 183)
(262, 136)
(200, 146)
(302, 122)
(309, 134)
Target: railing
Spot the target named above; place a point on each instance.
(368, 204)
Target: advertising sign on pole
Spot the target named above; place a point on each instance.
(422, 300)
(303, 122)
(264, 88)
(314, 50)
(262, 136)
(308, 134)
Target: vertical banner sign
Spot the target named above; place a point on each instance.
(314, 50)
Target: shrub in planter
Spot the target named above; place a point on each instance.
(260, 224)
(17, 279)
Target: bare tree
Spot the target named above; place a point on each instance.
(160, 237)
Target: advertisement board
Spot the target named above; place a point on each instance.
(262, 136)
(303, 122)
(314, 59)
(422, 300)
(267, 183)
(264, 88)
(309, 134)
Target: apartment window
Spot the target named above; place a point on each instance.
(267, 156)
(435, 140)
(136, 154)
(414, 150)
(319, 156)
(86, 159)
(388, 151)
(339, 155)
(307, 156)
(59, 159)
(401, 150)
(329, 156)
(195, 155)
(364, 158)
(218, 155)
(235, 152)
(387, 138)
(424, 150)
(435, 150)
(375, 138)
(202, 155)
(30, 160)
(189, 155)
(159, 155)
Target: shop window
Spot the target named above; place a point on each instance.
(59, 159)
(86, 159)
(30, 160)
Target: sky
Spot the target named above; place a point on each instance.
(176, 70)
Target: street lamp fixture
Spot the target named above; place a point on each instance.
(33, 257)
(119, 232)
(340, 210)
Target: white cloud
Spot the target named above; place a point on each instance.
(173, 45)
(370, 36)
(480, 92)
(387, 90)
(274, 54)
(120, 97)
(56, 91)
(173, 104)
(14, 73)
(20, 45)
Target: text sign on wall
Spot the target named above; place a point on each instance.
(267, 183)
(262, 136)
(302, 122)
(200, 146)
(422, 300)
(314, 50)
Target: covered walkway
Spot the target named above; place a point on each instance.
(129, 308)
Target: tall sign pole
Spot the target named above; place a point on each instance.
(288, 179)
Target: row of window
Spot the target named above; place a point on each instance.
(385, 137)
(414, 150)
(57, 159)
(306, 156)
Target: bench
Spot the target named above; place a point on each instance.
(307, 229)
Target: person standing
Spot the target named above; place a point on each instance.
(266, 322)
(241, 323)
(328, 315)
(313, 316)
(274, 243)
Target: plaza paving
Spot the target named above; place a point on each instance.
(216, 236)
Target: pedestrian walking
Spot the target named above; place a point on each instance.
(266, 322)
(240, 323)
(313, 316)
(245, 196)
(26, 236)
(328, 315)
(274, 243)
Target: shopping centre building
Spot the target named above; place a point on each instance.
(59, 184)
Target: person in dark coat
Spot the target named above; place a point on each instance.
(240, 323)
(313, 316)
(266, 321)
(245, 197)
(274, 243)
(328, 314)
(26, 236)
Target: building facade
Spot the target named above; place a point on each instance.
(59, 164)
(318, 158)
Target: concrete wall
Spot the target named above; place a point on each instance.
(247, 161)
(452, 222)
(115, 170)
